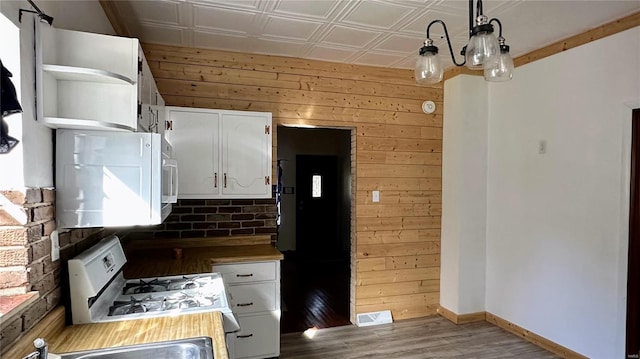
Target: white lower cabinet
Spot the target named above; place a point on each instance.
(254, 288)
(259, 337)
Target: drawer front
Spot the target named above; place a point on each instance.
(259, 337)
(247, 272)
(254, 297)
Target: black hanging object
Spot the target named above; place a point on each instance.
(8, 105)
(43, 17)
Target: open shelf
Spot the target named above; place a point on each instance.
(72, 73)
(59, 122)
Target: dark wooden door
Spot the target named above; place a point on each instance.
(317, 206)
(633, 276)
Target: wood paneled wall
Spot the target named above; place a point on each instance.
(397, 151)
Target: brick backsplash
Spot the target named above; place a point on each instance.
(192, 218)
(25, 258)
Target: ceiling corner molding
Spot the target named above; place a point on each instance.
(113, 14)
(594, 34)
(608, 29)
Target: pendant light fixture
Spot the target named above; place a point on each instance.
(483, 52)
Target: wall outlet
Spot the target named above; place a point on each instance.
(542, 147)
(376, 196)
(55, 246)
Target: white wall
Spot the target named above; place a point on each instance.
(556, 222)
(464, 190)
(32, 163)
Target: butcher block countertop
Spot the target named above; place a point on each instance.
(186, 256)
(64, 339)
(141, 331)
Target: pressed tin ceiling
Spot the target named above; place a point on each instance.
(384, 33)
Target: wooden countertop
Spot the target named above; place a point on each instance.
(140, 331)
(152, 262)
(153, 259)
(73, 338)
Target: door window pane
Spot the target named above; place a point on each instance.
(316, 186)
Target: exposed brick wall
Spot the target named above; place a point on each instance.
(25, 258)
(214, 218)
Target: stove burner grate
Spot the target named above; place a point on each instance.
(142, 286)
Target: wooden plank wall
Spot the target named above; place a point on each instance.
(397, 150)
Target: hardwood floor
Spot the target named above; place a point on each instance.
(430, 337)
(314, 293)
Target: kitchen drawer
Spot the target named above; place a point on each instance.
(254, 297)
(247, 272)
(259, 336)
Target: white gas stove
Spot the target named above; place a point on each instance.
(100, 293)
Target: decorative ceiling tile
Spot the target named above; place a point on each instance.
(277, 47)
(374, 32)
(290, 28)
(221, 41)
(327, 53)
(376, 14)
(161, 11)
(161, 34)
(318, 9)
(377, 59)
(257, 5)
(455, 23)
(207, 17)
(400, 43)
(346, 36)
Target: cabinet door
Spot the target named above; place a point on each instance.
(246, 154)
(194, 137)
(259, 336)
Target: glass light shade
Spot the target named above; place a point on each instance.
(428, 69)
(483, 49)
(501, 70)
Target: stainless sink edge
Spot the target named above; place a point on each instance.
(191, 348)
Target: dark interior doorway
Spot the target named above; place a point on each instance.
(317, 209)
(316, 269)
(633, 276)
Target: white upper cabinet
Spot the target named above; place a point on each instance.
(194, 138)
(246, 154)
(92, 81)
(221, 154)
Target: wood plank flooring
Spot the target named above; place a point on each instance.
(429, 337)
(314, 293)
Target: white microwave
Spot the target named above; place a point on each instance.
(113, 179)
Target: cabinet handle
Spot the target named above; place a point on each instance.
(244, 275)
(245, 304)
(244, 336)
(266, 180)
(225, 180)
(215, 180)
